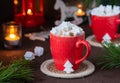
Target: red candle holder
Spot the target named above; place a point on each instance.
(30, 13)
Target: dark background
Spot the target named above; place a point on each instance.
(7, 9)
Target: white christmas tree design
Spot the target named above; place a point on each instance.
(107, 38)
(68, 67)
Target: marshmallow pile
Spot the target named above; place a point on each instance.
(67, 29)
(107, 10)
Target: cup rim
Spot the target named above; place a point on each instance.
(67, 36)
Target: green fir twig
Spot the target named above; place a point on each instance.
(17, 72)
(112, 59)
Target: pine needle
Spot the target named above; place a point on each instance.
(112, 59)
(18, 70)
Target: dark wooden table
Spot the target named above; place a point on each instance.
(99, 76)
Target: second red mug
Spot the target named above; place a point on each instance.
(102, 25)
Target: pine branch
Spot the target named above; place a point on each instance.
(18, 70)
(112, 60)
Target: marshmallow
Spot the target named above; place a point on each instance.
(108, 8)
(38, 51)
(101, 8)
(53, 31)
(116, 9)
(94, 11)
(29, 55)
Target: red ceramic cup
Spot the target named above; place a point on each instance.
(105, 24)
(68, 48)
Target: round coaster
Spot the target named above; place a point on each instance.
(91, 39)
(86, 68)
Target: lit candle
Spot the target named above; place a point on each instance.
(80, 12)
(12, 36)
(29, 12)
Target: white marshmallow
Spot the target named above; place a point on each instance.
(29, 55)
(101, 8)
(94, 11)
(54, 31)
(116, 9)
(38, 51)
(108, 8)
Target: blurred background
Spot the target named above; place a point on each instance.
(7, 8)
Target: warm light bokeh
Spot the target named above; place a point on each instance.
(15, 2)
(80, 12)
(29, 12)
(12, 37)
(12, 34)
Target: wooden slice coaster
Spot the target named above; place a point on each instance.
(91, 39)
(86, 68)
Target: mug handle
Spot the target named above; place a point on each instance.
(88, 50)
(117, 35)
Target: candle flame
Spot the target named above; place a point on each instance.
(80, 12)
(29, 12)
(12, 36)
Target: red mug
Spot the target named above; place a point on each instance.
(68, 48)
(102, 25)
